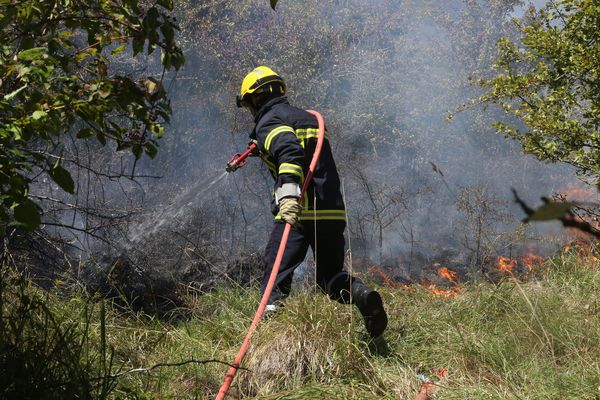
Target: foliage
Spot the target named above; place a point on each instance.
(50, 349)
(56, 78)
(550, 81)
(506, 340)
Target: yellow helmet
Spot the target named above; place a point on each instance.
(258, 81)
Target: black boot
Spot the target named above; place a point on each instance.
(370, 304)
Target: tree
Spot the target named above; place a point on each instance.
(56, 79)
(550, 81)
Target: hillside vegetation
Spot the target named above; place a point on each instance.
(537, 337)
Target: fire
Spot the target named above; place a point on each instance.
(388, 280)
(443, 292)
(532, 261)
(443, 272)
(506, 264)
(446, 273)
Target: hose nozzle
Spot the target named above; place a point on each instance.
(239, 159)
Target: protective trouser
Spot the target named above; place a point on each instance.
(331, 277)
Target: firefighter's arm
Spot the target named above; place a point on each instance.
(281, 143)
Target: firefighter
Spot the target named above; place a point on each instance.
(286, 137)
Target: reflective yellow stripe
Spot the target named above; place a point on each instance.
(317, 218)
(288, 168)
(320, 215)
(323, 218)
(276, 132)
(322, 212)
(309, 133)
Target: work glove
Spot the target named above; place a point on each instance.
(257, 152)
(289, 209)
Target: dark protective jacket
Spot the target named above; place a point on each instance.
(287, 138)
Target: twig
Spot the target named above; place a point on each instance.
(86, 231)
(179, 364)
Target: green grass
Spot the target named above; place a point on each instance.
(538, 338)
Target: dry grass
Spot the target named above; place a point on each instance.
(538, 338)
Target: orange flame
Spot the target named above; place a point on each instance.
(449, 275)
(506, 264)
(532, 261)
(446, 273)
(443, 292)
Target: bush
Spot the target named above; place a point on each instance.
(50, 352)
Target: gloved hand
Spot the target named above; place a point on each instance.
(255, 153)
(289, 209)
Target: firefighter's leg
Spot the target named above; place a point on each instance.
(329, 257)
(338, 284)
(294, 254)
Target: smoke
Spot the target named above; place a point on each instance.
(386, 75)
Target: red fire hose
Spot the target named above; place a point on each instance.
(286, 232)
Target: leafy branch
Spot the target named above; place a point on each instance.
(55, 79)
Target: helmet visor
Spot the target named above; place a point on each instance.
(240, 102)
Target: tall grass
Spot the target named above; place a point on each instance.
(51, 349)
(534, 338)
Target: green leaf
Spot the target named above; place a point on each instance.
(151, 150)
(18, 183)
(138, 43)
(151, 20)
(552, 210)
(27, 214)
(177, 60)
(118, 50)
(101, 138)
(165, 59)
(62, 177)
(104, 91)
(39, 114)
(168, 4)
(22, 70)
(123, 145)
(85, 133)
(168, 32)
(151, 86)
(273, 4)
(81, 56)
(137, 151)
(15, 92)
(31, 54)
(157, 130)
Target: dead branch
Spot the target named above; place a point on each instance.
(568, 220)
(178, 364)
